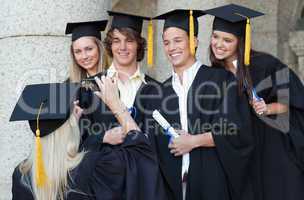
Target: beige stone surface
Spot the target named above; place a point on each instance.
(290, 12)
(22, 17)
(33, 49)
(297, 45)
(24, 60)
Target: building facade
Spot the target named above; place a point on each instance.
(34, 49)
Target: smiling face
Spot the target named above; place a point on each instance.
(86, 53)
(124, 50)
(224, 46)
(177, 48)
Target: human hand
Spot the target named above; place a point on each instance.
(183, 144)
(114, 136)
(108, 92)
(260, 107)
(77, 110)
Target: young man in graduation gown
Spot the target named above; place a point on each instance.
(210, 158)
(125, 45)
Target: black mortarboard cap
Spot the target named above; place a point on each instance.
(232, 18)
(90, 28)
(180, 18)
(125, 20)
(235, 19)
(55, 100)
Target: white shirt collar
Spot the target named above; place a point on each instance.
(235, 62)
(188, 75)
(138, 73)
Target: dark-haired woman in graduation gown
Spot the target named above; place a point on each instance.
(277, 99)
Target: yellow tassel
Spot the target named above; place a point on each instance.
(40, 170)
(191, 33)
(247, 43)
(150, 44)
(40, 175)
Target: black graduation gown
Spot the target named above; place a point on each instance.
(217, 173)
(280, 152)
(111, 174)
(99, 117)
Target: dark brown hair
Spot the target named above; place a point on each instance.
(129, 33)
(242, 74)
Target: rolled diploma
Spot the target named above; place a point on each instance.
(164, 123)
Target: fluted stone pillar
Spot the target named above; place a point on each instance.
(297, 45)
(33, 49)
(264, 28)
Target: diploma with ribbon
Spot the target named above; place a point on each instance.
(132, 112)
(169, 130)
(255, 95)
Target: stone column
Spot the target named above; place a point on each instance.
(33, 49)
(297, 45)
(264, 28)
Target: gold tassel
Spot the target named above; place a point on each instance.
(191, 33)
(247, 43)
(40, 175)
(150, 44)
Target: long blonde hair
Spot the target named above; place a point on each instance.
(77, 72)
(60, 156)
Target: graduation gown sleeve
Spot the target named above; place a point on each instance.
(98, 120)
(128, 172)
(288, 89)
(147, 100)
(19, 190)
(233, 138)
(280, 137)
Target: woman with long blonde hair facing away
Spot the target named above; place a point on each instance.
(55, 169)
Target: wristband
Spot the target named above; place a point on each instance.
(120, 112)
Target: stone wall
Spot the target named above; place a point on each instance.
(33, 49)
